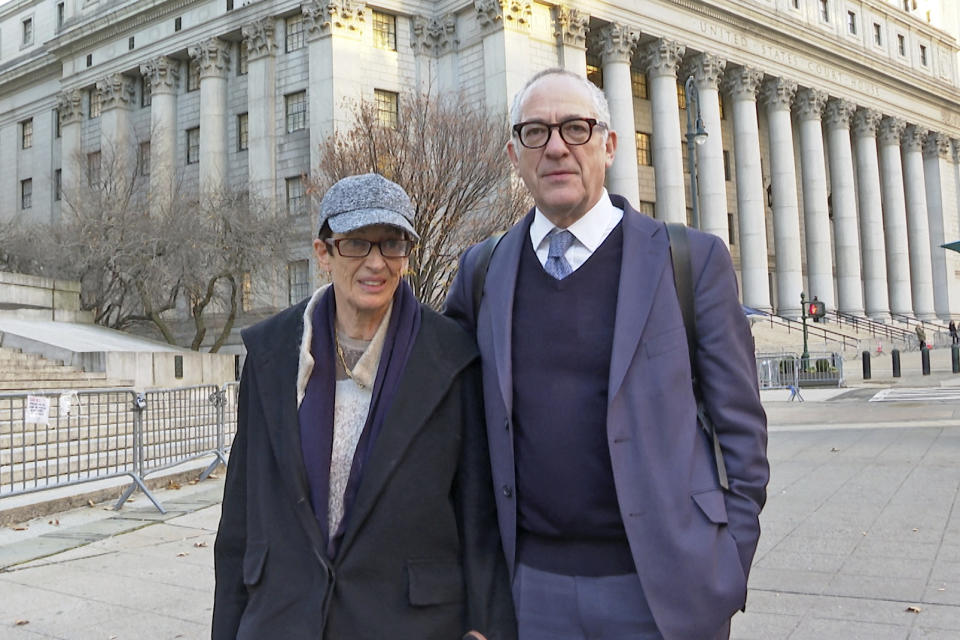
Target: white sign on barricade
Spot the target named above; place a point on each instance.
(38, 410)
(66, 402)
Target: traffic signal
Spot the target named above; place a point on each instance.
(816, 309)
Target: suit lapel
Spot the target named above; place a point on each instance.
(277, 381)
(497, 311)
(645, 253)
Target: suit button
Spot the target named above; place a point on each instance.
(506, 424)
(507, 491)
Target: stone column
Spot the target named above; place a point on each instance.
(741, 85)
(162, 74)
(873, 260)
(42, 164)
(507, 62)
(262, 112)
(776, 95)
(571, 27)
(661, 59)
(616, 47)
(434, 42)
(938, 173)
(895, 217)
(918, 223)
(72, 161)
(816, 216)
(334, 35)
(117, 152)
(10, 177)
(213, 56)
(707, 70)
(846, 234)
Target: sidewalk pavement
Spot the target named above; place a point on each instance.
(860, 536)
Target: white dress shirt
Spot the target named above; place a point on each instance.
(589, 232)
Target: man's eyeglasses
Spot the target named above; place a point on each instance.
(574, 131)
(360, 248)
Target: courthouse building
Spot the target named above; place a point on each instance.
(830, 164)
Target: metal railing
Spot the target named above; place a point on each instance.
(52, 439)
(790, 370)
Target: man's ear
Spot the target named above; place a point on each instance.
(512, 152)
(610, 147)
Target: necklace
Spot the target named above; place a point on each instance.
(343, 361)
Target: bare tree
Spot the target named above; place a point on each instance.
(449, 157)
(149, 262)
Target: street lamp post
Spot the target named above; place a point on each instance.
(805, 357)
(696, 136)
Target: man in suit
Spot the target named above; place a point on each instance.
(611, 513)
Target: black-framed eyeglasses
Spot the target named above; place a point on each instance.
(574, 131)
(360, 248)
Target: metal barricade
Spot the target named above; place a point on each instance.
(58, 438)
(778, 370)
(53, 439)
(822, 369)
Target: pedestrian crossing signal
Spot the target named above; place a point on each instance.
(816, 309)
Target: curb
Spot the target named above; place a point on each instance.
(95, 491)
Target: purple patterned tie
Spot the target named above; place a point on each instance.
(557, 265)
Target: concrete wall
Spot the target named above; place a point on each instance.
(41, 298)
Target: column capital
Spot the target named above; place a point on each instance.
(891, 130)
(865, 122)
(260, 37)
(434, 36)
(937, 144)
(571, 26)
(162, 73)
(778, 93)
(508, 13)
(616, 42)
(213, 56)
(70, 106)
(706, 69)
(810, 103)
(838, 113)
(913, 138)
(662, 57)
(116, 90)
(742, 83)
(325, 17)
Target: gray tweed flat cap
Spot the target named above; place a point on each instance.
(364, 200)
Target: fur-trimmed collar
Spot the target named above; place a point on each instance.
(364, 373)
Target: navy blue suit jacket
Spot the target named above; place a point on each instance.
(692, 542)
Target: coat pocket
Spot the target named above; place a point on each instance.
(434, 582)
(712, 505)
(253, 560)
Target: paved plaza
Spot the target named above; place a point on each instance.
(860, 535)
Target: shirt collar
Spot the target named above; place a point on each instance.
(590, 230)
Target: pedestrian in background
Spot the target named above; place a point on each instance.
(358, 498)
(921, 337)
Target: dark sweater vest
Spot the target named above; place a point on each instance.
(568, 517)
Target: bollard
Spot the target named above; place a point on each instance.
(866, 365)
(925, 361)
(955, 358)
(895, 355)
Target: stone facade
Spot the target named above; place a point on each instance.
(830, 165)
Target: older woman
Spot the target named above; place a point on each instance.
(358, 500)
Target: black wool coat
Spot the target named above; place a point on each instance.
(420, 557)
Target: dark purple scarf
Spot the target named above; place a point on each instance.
(316, 410)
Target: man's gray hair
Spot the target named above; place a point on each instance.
(600, 105)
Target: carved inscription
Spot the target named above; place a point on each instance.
(787, 58)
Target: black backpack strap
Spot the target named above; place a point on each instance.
(683, 279)
(485, 250)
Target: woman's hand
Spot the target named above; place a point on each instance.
(474, 635)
